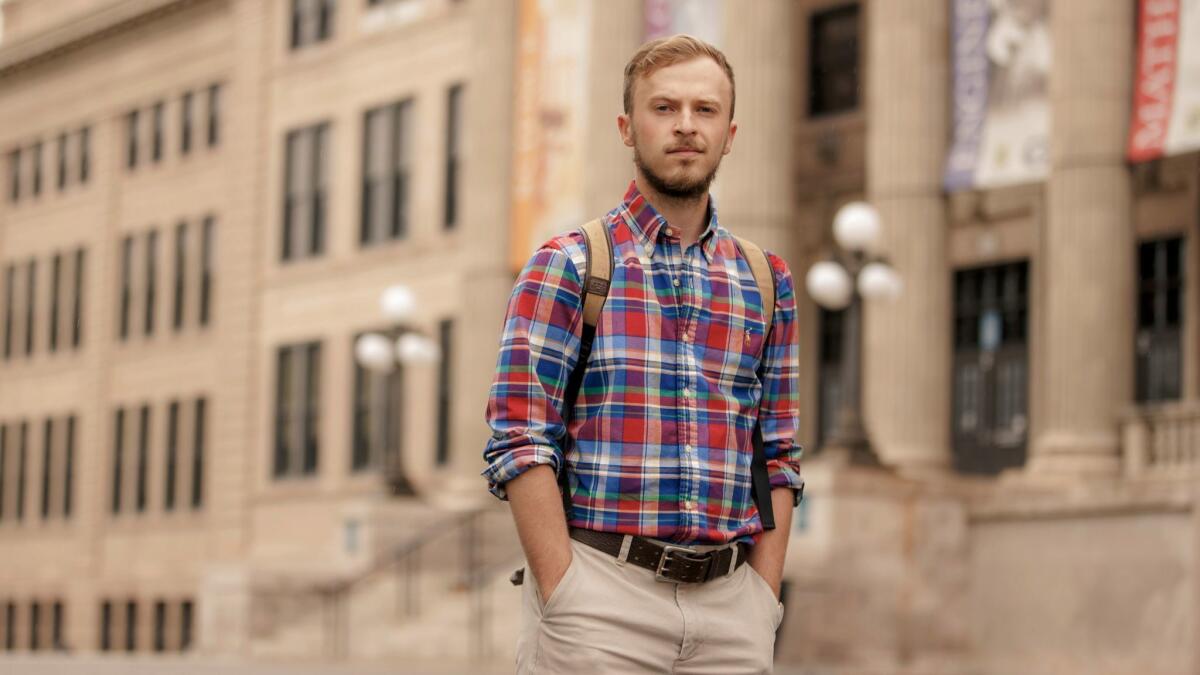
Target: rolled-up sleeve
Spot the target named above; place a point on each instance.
(779, 413)
(538, 349)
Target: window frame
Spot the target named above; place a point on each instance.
(819, 61)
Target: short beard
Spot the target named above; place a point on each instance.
(682, 190)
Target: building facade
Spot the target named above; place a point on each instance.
(203, 201)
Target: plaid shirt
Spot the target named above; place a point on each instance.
(663, 424)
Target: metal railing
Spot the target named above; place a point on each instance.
(1162, 440)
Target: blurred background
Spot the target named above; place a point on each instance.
(255, 254)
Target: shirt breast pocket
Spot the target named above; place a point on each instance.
(734, 361)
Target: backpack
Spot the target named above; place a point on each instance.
(598, 239)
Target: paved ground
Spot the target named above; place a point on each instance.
(88, 665)
(152, 666)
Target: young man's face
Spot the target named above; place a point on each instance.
(680, 126)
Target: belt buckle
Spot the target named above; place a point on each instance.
(660, 574)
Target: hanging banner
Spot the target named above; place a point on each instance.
(549, 122)
(1166, 92)
(1002, 56)
(698, 18)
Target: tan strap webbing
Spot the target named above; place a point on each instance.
(599, 270)
(760, 267)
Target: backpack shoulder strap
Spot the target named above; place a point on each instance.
(764, 276)
(760, 482)
(599, 274)
(598, 248)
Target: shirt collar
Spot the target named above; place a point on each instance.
(647, 224)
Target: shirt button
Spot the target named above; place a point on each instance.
(670, 232)
(688, 448)
(689, 505)
(649, 249)
(677, 282)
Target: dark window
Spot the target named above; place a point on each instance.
(1160, 320)
(106, 621)
(30, 304)
(207, 235)
(37, 168)
(3, 467)
(56, 626)
(77, 300)
(131, 139)
(10, 625)
(214, 115)
(990, 415)
(386, 172)
(445, 382)
(14, 175)
(156, 138)
(84, 153)
(55, 288)
(296, 409)
(47, 465)
(454, 100)
(10, 298)
(62, 161)
(378, 420)
(198, 429)
(160, 625)
(312, 22)
(185, 123)
(69, 469)
(180, 275)
(22, 466)
(151, 278)
(172, 455)
(35, 625)
(130, 626)
(126, 285)
(833, 60)
(304, 203)
(143, 456)
(829, 373)
(118, 458)
(185, 626)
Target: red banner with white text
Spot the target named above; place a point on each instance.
(1166, 99)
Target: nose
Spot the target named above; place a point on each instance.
(685, 123)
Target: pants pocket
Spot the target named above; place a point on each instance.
(563, 588)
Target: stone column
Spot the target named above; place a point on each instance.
(907, 342)
(1087, 267)
(617, 32)
(486, 192)
(756, 185)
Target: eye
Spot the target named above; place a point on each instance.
(662, 107)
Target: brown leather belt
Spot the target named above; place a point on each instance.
(669, 563)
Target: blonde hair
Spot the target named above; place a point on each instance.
(667, 51)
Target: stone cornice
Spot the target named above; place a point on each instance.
(81, 31)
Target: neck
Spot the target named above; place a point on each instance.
(685, 214)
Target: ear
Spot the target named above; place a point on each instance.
(625, 127)
(733, 127)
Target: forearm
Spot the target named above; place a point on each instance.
(767, 556)
(541, 524)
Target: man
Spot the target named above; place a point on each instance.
(657, 448)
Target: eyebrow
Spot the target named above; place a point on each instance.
(716, 103)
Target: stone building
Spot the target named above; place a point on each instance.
(203, 201)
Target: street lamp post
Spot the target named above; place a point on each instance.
(382, 353)
(842, 284)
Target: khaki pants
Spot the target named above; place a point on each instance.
(609, 618)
